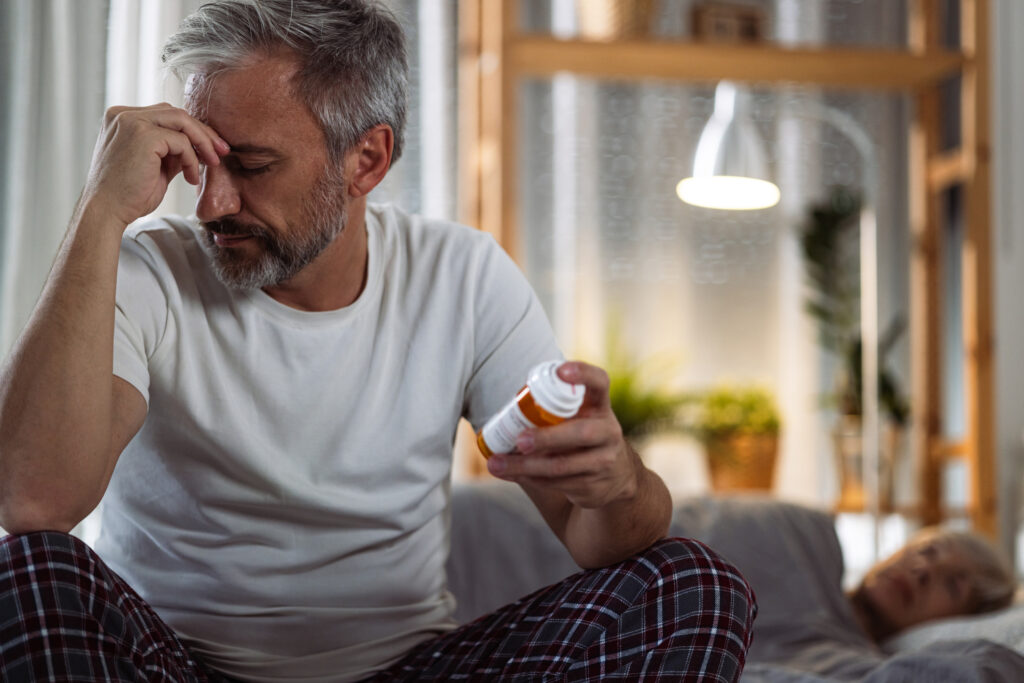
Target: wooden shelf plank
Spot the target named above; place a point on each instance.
(948, 169)
(674, 60)
(910, 510)
(949, 450)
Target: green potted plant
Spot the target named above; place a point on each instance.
(830, 244)
(637, 391)
(739, 429)
(641, 409)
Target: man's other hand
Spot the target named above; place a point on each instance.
(585, 458)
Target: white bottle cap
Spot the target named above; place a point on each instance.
(552, 393)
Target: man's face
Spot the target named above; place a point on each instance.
(275, 202)
(928, 579)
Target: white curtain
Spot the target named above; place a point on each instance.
(53, 103)
(67, 60)
(1008, 257)
(136, 34)
(65, 67)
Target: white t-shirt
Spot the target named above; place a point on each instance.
(284, 506)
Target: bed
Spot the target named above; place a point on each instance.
(804, 632)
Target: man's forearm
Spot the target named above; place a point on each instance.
(597, 537)
(62, 424)
(56, 385)
(603, 535)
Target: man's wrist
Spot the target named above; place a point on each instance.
(93, 214)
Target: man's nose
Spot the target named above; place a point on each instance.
(218, 196)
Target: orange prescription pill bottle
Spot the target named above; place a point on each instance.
(547, 399)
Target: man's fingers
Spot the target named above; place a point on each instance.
(592, 377)
(207, 143)
(171, 166)
(170, 123)
(575, 434)
(550, 466)
(139, 152)
(587, 488)
(180, 146)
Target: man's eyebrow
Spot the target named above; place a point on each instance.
(253, 149)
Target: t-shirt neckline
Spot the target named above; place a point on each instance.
(270, 306)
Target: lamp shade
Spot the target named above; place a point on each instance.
(730, 167)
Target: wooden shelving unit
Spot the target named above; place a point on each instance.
(495, 55)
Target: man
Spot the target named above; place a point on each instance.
(266, 400)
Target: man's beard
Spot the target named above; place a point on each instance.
(281, 257)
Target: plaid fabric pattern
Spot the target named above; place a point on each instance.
(65, 616)
(675, 612)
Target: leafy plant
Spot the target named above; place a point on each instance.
(830, 243)
(637, 390)
(639, 408)
(727, 411)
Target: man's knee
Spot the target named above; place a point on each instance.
(696, 572)
(44, 570)
(39, 546)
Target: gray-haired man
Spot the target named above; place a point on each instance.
(265, 397)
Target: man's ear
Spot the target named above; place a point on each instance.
(369, 160)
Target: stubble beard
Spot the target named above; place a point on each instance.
(281, 257)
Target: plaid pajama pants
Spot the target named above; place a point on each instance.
(674, 612)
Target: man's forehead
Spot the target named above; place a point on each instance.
(254, 106)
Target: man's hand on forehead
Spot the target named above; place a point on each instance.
(140, 150)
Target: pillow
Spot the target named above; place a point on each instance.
(1005, 627)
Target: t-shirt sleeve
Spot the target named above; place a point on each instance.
(511, 335)
(140, 314)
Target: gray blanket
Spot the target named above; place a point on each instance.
(805, 630)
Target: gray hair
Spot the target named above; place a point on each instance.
(353, 72)
(993, 584)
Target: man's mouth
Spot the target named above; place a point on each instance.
(222, 240)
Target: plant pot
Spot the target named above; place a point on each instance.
(849, 452)
(742, 461)
(614, 19)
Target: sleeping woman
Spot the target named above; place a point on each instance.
(939, 573)
(809, 630)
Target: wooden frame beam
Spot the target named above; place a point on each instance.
(696, 62)
(926, 217)
(470, 111)
(979, 328)
(948, 169)
(493, 142)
